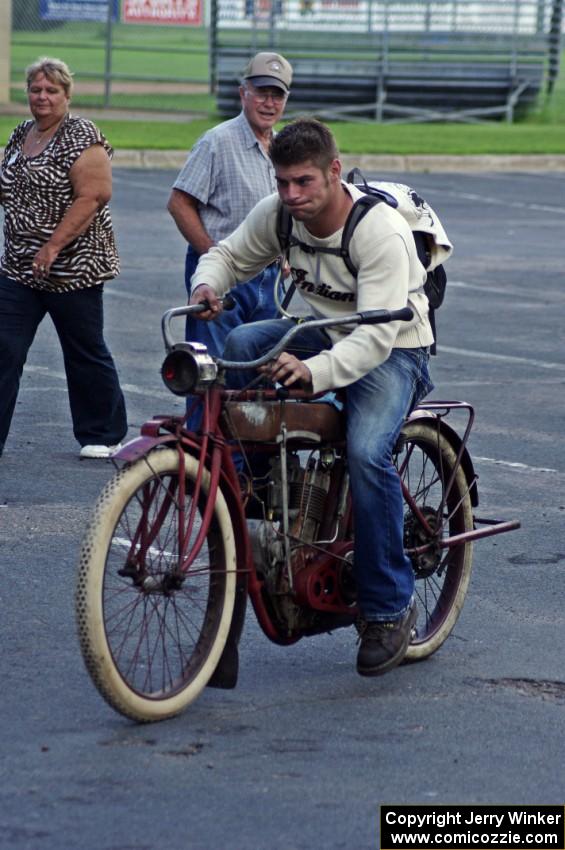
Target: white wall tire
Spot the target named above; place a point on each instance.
(177, 665)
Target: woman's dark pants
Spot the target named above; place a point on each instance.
(96, 400)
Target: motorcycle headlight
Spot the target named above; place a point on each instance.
(188, 367)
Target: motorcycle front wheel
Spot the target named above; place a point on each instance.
(151, 635)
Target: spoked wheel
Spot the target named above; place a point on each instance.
(426, 465)
(151, 636)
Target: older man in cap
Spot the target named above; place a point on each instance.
(227, 172)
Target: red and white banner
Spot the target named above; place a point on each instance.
(187, 12)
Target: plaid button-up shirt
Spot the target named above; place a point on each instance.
(228, 172)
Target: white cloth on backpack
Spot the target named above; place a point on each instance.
(419, 216)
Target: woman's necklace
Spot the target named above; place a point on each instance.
(41, 136)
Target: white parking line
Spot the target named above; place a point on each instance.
(502, 358)
(133, 296)
(130, 388)
(511, 465)
(526, 295)
(493, 201)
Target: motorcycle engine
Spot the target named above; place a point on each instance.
(307, 488)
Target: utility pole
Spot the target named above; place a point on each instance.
(5, 52)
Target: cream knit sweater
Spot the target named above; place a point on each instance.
(390, 276)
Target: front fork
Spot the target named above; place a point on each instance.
(211, 405)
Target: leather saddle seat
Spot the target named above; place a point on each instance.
(262, 421)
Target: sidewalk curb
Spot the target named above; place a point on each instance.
(175, 159)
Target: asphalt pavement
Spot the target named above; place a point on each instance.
(302, 753)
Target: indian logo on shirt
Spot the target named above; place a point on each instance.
(323, 290)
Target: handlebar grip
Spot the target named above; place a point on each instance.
(378, 317)
(228, 303)
(406, 314)
(189, 309)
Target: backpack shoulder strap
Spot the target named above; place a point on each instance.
(357, 177)
(286, 240)
(284, 228)
(357, 212)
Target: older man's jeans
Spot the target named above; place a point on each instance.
(254, 301)
(376, 406)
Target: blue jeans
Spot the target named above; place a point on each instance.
(376, 406)
(254, 301)
(97, 404)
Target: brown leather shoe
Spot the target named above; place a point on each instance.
(384, 644)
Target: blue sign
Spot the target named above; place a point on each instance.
(77, 10)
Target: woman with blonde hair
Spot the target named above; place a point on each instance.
(59, 248)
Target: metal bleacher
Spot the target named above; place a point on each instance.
(490, 62)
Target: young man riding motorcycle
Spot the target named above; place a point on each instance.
(383, 368)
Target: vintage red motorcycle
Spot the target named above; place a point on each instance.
(180, 536)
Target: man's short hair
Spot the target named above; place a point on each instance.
(302, 140)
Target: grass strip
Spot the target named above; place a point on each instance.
(401, 139)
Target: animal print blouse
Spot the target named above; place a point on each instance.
(36, 192)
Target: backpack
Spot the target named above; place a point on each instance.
(431, 241)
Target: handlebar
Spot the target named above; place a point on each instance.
(365, 317)
(188, 365)
(188, 310)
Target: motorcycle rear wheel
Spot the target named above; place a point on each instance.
(426, 465)
(151, 636)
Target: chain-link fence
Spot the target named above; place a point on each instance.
(396, 59)
(171, 54)
(119, 58)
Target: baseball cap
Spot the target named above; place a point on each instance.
(269, 69)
